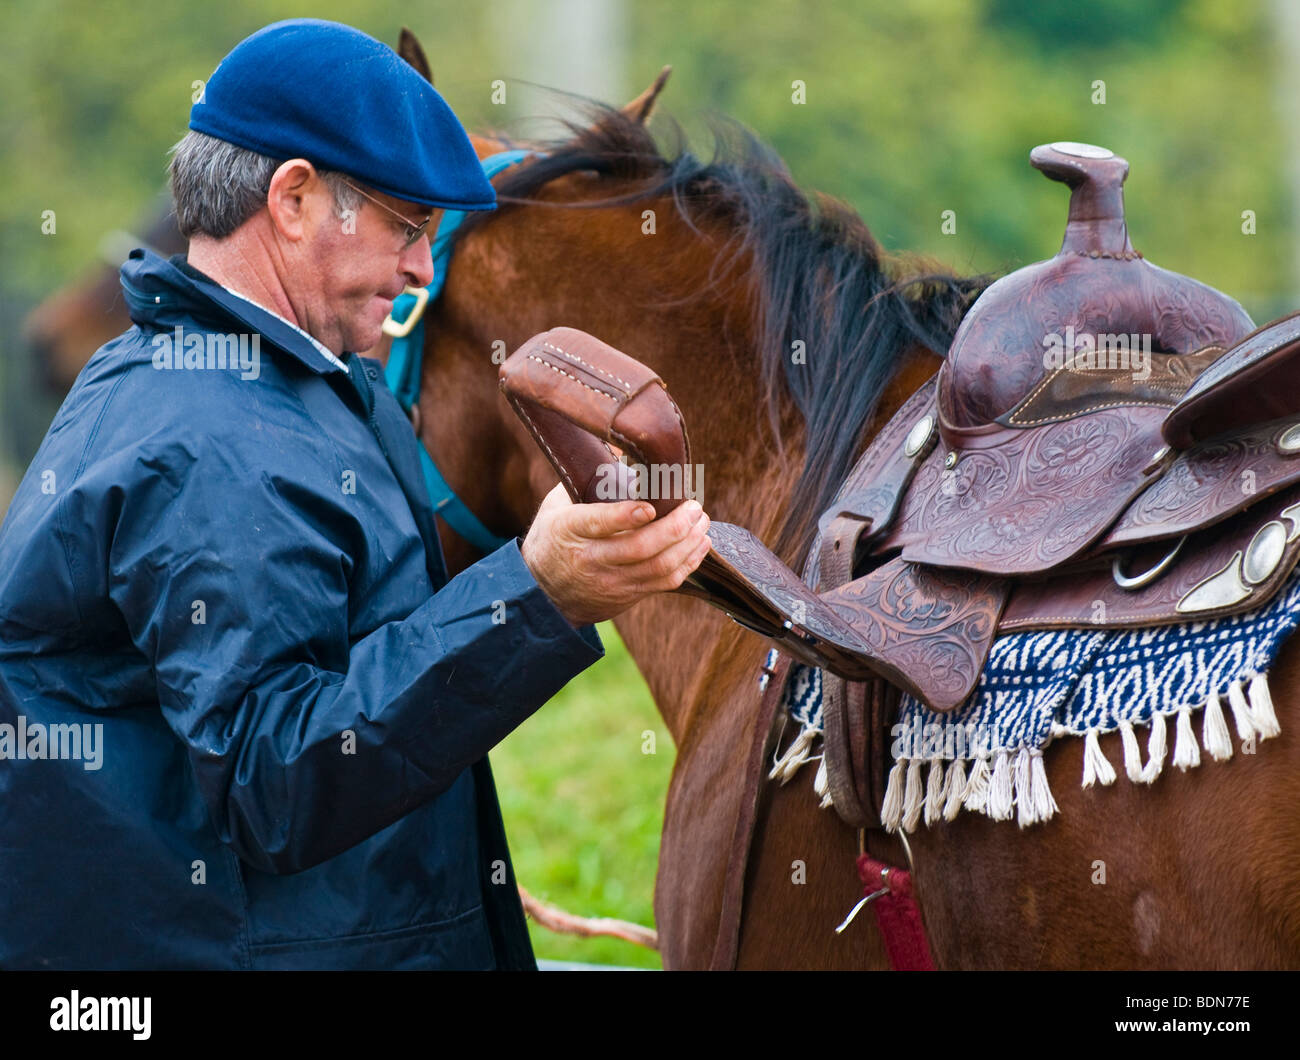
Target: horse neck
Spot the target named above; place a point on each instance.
(690, 655)
(658, 298)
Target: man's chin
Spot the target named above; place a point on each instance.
(367, 341)
(366, 336)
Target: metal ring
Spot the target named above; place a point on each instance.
(907, 849)
(1137, 581)
(400, 329)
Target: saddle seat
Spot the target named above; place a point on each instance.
(1107, 445)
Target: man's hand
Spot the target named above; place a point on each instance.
(596, 560)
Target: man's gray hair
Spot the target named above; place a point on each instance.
(217, 186)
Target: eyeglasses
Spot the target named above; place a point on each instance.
(413, 232)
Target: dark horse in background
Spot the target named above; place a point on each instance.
(71, 324)
(738, 266)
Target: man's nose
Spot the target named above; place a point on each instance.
(416, 261)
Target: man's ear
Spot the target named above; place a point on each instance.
(287, 198)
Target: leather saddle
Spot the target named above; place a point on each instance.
(1107, 445)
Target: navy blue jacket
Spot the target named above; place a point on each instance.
(233, 572)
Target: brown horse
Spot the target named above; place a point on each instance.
(711, 274)
(715, 275)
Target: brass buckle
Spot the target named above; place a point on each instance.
(401, 330)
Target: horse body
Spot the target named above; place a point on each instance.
(1198, 869)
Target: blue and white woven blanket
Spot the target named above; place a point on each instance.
(1035, 687)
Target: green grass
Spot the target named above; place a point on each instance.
(584, 805)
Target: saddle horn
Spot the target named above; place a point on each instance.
(1096, 285)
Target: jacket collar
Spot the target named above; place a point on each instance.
(161, 293)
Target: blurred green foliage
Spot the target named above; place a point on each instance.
(911, 109)
(584, 804)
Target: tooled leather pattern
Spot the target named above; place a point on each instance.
(933, 627)
(1032, 502)
(1090, 598)
(1207, 483)
(927, 630)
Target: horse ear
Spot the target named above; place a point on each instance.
(409, 49)
(640, 109)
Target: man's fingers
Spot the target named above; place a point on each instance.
(648, 542)
(666, 561)
(608, 518)
(557, 498)
(683, 569)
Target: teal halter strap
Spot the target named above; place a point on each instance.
(406, 357)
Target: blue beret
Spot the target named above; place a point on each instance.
(306, 88)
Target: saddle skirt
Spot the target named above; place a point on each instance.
(1106, 445)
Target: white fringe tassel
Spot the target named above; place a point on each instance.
(1045, 807)
(1156, 745)
(956, 790)
(1241, 713)
(1132, 756)
(1015, 784)
(1214, 730)
(935, 792)
(977, 787)
(822, 786)
(1000, 795)
(891, 810)
(796, 755)
(1187, 755)
(1262, 713)
(1025, 811)
(1096, 767)
(912, 797)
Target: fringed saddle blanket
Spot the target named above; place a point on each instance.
(987, 756)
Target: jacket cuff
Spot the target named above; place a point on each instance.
(584, 640)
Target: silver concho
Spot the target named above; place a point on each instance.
(1070, 147)
(1157, 458)
(1289, 442)
(1264, 552)
(1291, 515)
(918, 436)
(1221, 589)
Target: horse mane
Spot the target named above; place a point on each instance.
(820, 278)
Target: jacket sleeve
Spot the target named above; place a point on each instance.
(303, 742)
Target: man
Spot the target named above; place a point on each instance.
(243, 714)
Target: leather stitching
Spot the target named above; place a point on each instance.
(1083, 412)
(561, 371)
(686, 441)
(575, 358)
(556, 462)
(1046, 381)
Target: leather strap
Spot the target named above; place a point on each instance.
(843, 703)
(726, 948)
